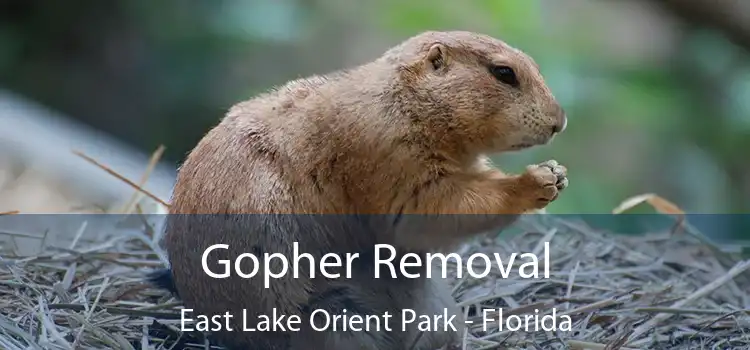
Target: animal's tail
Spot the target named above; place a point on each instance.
(163, 279)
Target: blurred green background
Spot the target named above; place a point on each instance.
(657, 92)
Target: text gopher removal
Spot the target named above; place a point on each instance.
(477, 265)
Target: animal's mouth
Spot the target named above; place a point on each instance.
(521, 146)
(532, 142)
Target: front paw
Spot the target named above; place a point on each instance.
(542, 183)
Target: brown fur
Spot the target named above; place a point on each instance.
(407, 133)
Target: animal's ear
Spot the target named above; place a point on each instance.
(436, 57)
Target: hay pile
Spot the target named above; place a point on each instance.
(662, 290)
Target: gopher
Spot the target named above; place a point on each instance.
(372, 151)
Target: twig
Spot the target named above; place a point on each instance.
(121, 178)
(118, 311)
(153, 161)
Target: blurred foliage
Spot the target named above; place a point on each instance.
(156, 72)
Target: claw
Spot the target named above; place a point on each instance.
(559, 170)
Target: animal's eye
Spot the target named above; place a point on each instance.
(505, 74)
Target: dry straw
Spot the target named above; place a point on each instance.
(660, 290)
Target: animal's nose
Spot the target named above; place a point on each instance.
(562, 122)
(560, 126)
